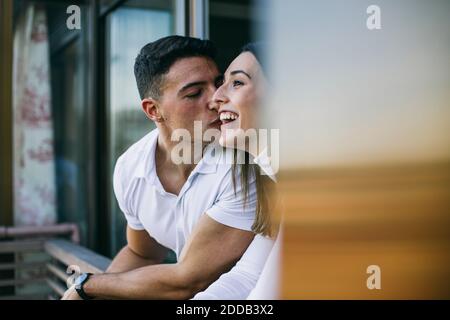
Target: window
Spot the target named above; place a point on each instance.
(69, 120)
(69, 110)
(128, 29)
(232, 24)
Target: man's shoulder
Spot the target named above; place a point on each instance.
(137, 149)
(134, 158)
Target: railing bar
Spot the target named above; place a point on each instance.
(59, 289)
(15, 282)
(21, 246)
(11, 266)
(59, 251)
(72, 254)
(57, 272)
(36, 231)
(40, 296)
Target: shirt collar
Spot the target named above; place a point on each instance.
(146, 167)
(208, 163)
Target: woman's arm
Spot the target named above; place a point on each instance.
(268, 285)
(241, 279)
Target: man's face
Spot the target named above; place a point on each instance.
(186, 95)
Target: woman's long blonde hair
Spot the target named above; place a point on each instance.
(247, 171)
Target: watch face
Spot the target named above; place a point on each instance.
(80, 279)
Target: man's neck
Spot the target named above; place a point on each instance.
(164, 159)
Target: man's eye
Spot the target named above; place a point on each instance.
(194, 95)
(237, 83)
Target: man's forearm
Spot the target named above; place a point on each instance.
(163, 281)
(127, 260)
(212, 250)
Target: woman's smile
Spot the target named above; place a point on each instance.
(228, 119)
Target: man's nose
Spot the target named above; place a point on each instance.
(212, 105)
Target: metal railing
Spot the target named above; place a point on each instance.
(34, 263)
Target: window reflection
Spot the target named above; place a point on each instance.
(129, 28)
(232, 24)
(68, 79)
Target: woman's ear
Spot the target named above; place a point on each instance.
(151, 110)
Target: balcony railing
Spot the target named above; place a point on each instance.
(34, 261)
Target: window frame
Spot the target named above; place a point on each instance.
(6, 128)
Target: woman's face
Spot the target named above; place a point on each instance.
(239, 96)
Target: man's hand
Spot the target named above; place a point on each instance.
(71, 294)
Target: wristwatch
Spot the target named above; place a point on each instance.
(79, 283)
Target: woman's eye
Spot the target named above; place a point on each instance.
(237, 83)
(194, 95)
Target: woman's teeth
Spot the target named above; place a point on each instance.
(228, 116)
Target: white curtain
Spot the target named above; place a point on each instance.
(34, 167)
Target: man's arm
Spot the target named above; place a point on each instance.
(243, 277)
(141, 250)
(212, 250)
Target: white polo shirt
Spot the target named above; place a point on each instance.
(169, 218)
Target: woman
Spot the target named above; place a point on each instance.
(255, 276)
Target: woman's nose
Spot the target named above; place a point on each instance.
(219, 97)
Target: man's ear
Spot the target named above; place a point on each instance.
(151, 109)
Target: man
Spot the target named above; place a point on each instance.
(165, 203)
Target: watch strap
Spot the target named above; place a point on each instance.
(80, 290)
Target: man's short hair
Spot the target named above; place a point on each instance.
(155, 59)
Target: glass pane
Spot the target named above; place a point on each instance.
(68, 78)
(233, 23)
(68, 113)
(129, 28)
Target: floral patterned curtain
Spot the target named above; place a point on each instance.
(34, 167)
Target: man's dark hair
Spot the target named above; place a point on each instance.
(155, 59)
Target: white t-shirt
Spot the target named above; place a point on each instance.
(170, 218)
(241, 280)
(268, 285)
(256, 275)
